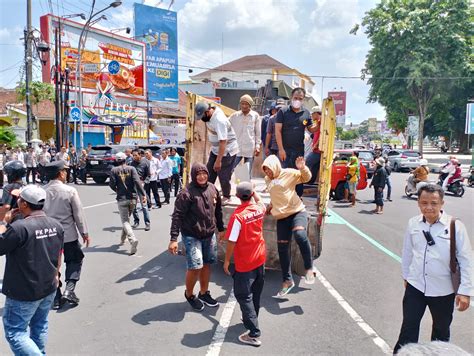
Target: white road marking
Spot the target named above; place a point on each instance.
(97, 205)
(221, 330)
(381, 343)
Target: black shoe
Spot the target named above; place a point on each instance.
(58, 303)
(70, 297)
(196, 304)
(135, 225)
(389, 199)
(208, 300)
(147, 227)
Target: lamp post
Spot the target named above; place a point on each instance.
(84, 31)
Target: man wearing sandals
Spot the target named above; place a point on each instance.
(290, 213)
(426, 269)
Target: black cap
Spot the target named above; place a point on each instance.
(244, 190)
(55, 167)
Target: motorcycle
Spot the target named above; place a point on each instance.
(409, 191)
(456, 186)
(470, 180)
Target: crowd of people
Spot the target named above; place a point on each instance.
(48, 222)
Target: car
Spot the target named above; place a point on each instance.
(339, 173)
(404, 160)
(100, 161)
(366, 157)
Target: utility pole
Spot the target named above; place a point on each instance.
(147, 118)
(57, 111)
(28, 71)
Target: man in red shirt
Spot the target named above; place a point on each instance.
(246, 243)
(314, 157)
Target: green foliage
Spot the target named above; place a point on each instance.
(39, 92)
(349, 135)
(414, 41)
(7, 136)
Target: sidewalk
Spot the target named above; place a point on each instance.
(436, 159)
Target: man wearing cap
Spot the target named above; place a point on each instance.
(224, 146)
(290, 126)
(33, 248)
(247, 127)
(271, 146)
(124, 180)
(63, 204)
(314, 157)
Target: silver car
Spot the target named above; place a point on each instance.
(404, 160)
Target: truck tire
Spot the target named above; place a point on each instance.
(339, 191)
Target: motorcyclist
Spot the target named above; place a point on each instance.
(448, 171)
(15, 171)
(420, 174)
(457, 174)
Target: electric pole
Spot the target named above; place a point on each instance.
(28, 71)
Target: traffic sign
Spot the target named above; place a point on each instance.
(75, 114)
(90, 68)
(114, 67)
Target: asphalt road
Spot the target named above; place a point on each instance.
(134, 305)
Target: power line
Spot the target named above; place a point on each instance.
(12, 66)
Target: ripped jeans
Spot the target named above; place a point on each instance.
(284, 233)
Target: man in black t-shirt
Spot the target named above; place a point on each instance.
(291, 122)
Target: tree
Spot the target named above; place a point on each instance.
(7, 136)
(39, 92)
(418, 47)
(349, 135)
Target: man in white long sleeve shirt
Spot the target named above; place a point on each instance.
(165, 174)
(152, 185)
(426, 269)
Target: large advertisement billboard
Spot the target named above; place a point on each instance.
(110, 64)
(339, 98)
(158, 29)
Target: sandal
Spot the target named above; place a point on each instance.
(284, 291)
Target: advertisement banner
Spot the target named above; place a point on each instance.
(339, 98)
(470, 119)
(158, 29)
(372, 124)
(413, 126)
(100, 49)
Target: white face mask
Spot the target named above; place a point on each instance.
(296, 104)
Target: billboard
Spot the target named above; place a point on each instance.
(110, 63)
(412, 126)
(372, 124)
(339, 98)
(470, 119)
(158, 29)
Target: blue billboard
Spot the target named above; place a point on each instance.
(159, 30)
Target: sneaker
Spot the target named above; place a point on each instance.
(247, 339)
(310, 277)
(208, 300)
(195, 303)
(284, 291)
(147, 227)
(135, 224)
(225, 201)
(133, 249)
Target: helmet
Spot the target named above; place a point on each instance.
(15, 170)
(423, 162)
(200, 108)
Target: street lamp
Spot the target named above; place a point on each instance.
(84, 31)
(126, 29)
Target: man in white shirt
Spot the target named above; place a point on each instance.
(426, 269)
(247, 127)
(152, 185)
(165, 175)
(224, 146)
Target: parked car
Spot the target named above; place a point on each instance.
(366, 157)
(101, 160)
(404, 159)
(339, 173)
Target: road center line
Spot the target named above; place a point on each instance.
(97, 205)
(367, 237)
(381, 343)
(221, 330)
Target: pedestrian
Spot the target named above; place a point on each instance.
(89, 148)
(15, 171)
(313, 160)
(165, 175)
(3, 161)
(20, 154)
(290, 125)
(245, 242)
(176, 177)
(124, 180)
(264, 124)
(43, 159)
(32, 246)
(152, 185)
(63, 155)
(82, 166)
(31, 162)
(224, 146)
(143, 169)
(128, 153)
(197, 214)
(292, 219)
(353, 175)
(378, 181)
(73, 165)
(63, 204)
(388, 171)
(428, 260)
(271, 146)
(247, 128)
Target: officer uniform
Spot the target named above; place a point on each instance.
(63, 204)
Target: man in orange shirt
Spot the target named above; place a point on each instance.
(246, 243)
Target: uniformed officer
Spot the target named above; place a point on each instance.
(15, 171)
(63, 204)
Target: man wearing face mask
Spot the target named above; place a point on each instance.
(224, 146)
(290, 126)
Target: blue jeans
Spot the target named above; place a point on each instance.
(18, 316)
(388, 182)
(290, 162)
(146, 216)
(200, 252)
(248, 161)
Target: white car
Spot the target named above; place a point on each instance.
(405, 160)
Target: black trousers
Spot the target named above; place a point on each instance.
(225, 174)
(165, 187)
(31, 171)
(73, 257)
(414, 305)
(248, 288)
(176, 182)
(152, 187)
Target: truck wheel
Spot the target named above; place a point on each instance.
(339, 191)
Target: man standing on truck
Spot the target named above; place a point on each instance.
(290, 126)
(313, 159)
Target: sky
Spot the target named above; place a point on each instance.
(311, 36)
